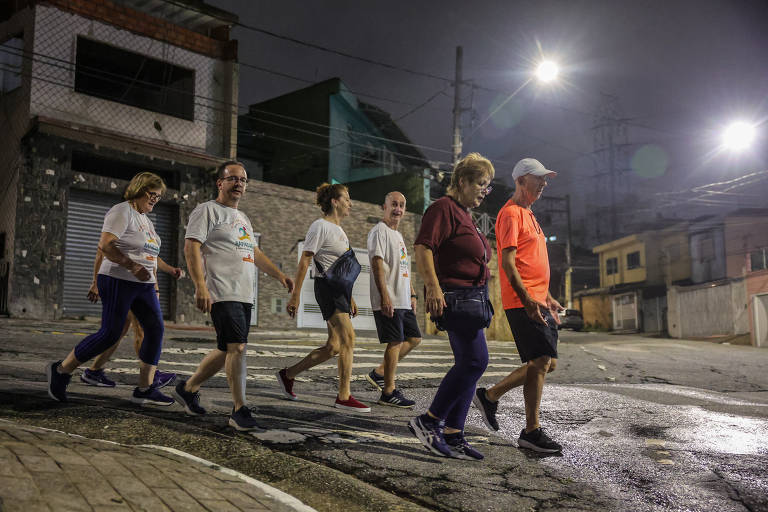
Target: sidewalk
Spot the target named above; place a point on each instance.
(43, 469)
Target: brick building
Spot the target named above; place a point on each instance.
(94, 91)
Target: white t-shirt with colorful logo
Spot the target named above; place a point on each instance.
(388, 244)
(327, 240)
(136, 238)
(228, 244)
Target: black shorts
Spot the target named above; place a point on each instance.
(532, 338)
(400, 327)
(330, 299)
(232, 321)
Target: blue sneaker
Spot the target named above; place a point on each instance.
(396, 399)
(150, 397)
(57, 382)
(460, 448)
(430, 432)
(376, 380)
(162, 379)
(243, 421)
(190, 401)
(96, 378)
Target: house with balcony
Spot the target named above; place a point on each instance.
(93, 92)
(324, 133)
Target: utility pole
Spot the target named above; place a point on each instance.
(457, 110)
(568, 256)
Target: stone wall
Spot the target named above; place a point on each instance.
(41, 215)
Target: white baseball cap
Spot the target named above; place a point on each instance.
(531, 166)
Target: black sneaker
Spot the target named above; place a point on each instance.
(152, 396)
(57, 382)
(538, 441)
(460, 448)
(96, 378)
(376, 380)
(396, 399)
(430, 432)
(162, 379)
(487, 409)
(190, 401)
(243, 421)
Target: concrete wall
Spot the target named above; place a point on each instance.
(714, 309)
(596, 310)
(282, 216)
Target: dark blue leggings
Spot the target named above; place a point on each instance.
(454, 396)
(117, 297)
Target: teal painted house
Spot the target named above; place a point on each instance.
(324, 133)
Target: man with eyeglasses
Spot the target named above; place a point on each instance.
(531, 310)
(221, 256)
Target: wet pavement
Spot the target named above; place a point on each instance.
(647, 424)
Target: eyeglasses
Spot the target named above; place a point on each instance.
(154, 196)
(485, 190)
(235, 179)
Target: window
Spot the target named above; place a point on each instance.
(758, 259)
(11, 58)
(706, 250)
(633, 260)
(119, 75)
(612, 266)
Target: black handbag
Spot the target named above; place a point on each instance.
(466, 309)
(341, 275)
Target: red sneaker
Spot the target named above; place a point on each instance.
(351, 405)
(286, 385)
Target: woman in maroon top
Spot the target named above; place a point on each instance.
(452, 256)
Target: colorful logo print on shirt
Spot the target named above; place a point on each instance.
(244, 234)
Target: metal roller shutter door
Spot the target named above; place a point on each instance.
(85, 218)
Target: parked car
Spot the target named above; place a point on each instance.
(571, 319)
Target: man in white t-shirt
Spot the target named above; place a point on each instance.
(392, 299)
(221, 255)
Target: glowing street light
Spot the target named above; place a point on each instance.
(547, 71)
(738, 136)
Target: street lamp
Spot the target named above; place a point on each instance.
(738, 135)
(547, 71)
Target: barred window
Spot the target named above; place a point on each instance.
(633, 260)
(612, 266)
(126, 77)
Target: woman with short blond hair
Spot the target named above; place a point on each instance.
(127, 280)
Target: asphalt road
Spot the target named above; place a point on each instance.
(646, 424)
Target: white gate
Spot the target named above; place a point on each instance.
(760, 319)
(625, 312)
(255, 310)
(309, 312)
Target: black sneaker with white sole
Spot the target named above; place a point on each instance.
(376, 380)
(396, 399)
(487, 408)
(242, 420)
(538, 441)
(190, 400)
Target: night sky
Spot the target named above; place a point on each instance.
(679, 70)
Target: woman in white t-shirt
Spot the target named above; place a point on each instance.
(127, 280)
(327, 244)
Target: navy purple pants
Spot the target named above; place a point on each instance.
(454, 396)
(117, 297)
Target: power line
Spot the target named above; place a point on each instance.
(318, 46)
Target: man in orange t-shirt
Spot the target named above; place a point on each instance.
(531, 311)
